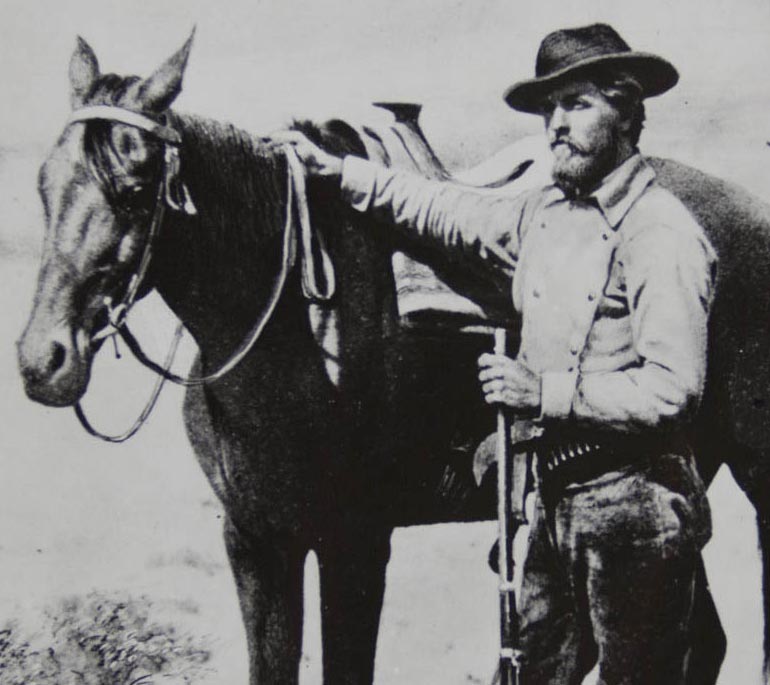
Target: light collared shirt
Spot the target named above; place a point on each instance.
(613, 290)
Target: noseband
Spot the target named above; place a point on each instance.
(173, 192)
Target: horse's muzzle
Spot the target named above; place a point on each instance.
(55, 372)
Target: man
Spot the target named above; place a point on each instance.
(613, 280)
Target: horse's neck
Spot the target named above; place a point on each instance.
(216, 269)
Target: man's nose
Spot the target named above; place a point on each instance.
(557, 121)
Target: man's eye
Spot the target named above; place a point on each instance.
(581, 103)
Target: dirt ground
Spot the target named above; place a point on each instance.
(77, 515)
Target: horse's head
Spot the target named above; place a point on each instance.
(99, 185)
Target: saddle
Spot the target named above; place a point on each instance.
(435, 297)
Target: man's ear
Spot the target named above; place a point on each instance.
(83, 72)
(156, 93)
(624, 123)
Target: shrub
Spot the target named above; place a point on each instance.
(100, 640)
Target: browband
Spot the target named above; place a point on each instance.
(126, 116)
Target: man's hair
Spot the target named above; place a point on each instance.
(624, 93)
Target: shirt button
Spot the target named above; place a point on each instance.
(605, 236)
(591, 297)
(542, 224)
(570, 369)
(573, 350)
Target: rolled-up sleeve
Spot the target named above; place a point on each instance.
(670, 280)
(484, 228)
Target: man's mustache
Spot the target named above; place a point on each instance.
(570, 144)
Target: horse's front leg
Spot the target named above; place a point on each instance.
(352, 563)
(269, 577)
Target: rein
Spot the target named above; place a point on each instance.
(173, 192)
(287, 261)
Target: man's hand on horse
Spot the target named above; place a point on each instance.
(317, 161)
(510, 383)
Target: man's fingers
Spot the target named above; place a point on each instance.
(487, 359)
(505, 368)
(286, 137)
(490, 372)
(493, 386)
(494, 398)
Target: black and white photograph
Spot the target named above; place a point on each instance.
(385, 343)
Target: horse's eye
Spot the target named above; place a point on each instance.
(133, 196)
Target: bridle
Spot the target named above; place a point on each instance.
(172, 192)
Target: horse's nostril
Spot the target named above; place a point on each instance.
(58, 356)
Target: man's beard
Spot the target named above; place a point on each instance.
(577, 171)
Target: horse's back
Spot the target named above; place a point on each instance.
(738, 226)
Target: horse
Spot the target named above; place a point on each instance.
(302, 461)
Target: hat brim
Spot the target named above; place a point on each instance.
(655, 75)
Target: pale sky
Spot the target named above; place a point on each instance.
(257, 63)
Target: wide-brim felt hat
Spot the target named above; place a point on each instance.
(570, 54)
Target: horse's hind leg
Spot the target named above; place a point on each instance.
(269, 579)
(352, 572)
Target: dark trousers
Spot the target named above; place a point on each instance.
(610, 576)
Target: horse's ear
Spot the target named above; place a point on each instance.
(84, 70)
(157, 92)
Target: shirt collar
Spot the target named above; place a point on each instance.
(618, 191)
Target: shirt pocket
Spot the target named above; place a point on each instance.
(614, 303)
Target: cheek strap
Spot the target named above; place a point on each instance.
(177, 195)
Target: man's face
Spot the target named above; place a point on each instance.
(584, 131)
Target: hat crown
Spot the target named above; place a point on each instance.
(570, 53)
(561, 49)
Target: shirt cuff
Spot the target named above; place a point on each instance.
(358, 182)
(557, 390)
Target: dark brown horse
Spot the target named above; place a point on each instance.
(298, 462)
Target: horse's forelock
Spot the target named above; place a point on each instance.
(111, 89)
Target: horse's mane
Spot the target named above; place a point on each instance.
(237, 183)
